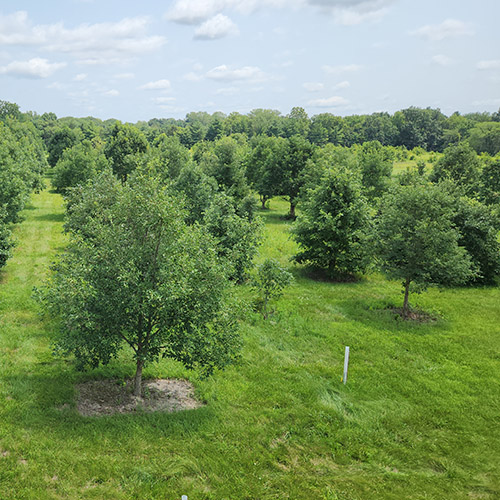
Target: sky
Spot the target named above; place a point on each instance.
(143, 59)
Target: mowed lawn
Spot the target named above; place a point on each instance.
(418, 419)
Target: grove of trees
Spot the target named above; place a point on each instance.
(163, 214)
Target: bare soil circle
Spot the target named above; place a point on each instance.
(97, 398)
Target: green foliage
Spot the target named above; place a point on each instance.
(60, 139)
(168, 157)
(88, 206)
(270, 281)
(21, 165)
(479, 228)
(144, 279)
(224, 162)
(416, 241)
(333, 225)
(490, 181)
(197, 190)
(123, 149)
(485, 138)
(237, 237)
(5, 238)
(265, 166)
(77, 165)
(375, 163)
(298, 153)
(460, 164)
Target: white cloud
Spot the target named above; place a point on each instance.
(328, 102)
(351, 12)
(34, 68)
(347, 12)
(449, 28)
(157, 85)
(197, 11)
(491, 64)
(218, 26)
(225, 73)
(111, 93)
(342, 85)
(313, 86)
(192, 77)
(347, 68)
(100, 43)
(80, 77)
(442, 60)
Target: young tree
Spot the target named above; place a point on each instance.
(141, 277)
(333, 226)
(416, 241)
(269, 281)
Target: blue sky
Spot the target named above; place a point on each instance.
(144, 59)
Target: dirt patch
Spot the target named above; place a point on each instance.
(107, 397)
(414, 315)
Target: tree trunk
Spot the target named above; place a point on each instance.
(265, 308)
(263, 200)
(292, 210)
(405, 302)
(138, 378)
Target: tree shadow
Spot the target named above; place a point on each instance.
(385, 314)
(274, 217)
(51, 217)
(47, 403)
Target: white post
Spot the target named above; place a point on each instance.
(346, 363)
(184, 497)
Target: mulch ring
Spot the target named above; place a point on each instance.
(107, 397)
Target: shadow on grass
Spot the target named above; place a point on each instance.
(47, 402)
(51, 217)
(274, 217)
(321, 275)
(385, 314)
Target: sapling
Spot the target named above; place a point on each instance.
(269, 282)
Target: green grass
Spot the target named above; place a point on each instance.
(401, 166)
(419, 417)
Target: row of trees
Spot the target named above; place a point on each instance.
(22, 163)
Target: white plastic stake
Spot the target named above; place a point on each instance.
(184, 497)
(346, 363)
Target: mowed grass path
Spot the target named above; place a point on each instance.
(418, 419)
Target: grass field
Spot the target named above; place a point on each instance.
(418, 419)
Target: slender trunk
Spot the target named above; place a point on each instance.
(292, 210)
(405, 302)
(263, 200)
(138, 378)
